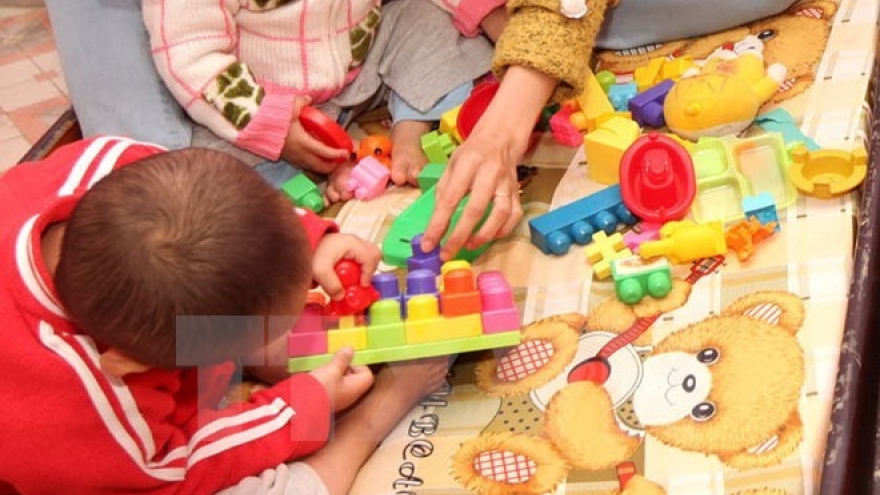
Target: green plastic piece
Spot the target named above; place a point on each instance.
(386, 326)
(304, 193)
(635, 279)
(412, 351)
(437, 147)
(396, 247)
(544, 120)
(430, 175)
(606, 79)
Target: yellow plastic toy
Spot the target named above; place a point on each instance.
(827, 174)
(648, 75)
(726, 94)
(448, 124)
(605, 146)
(591, 104)
(684, 241)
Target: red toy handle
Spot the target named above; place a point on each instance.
(325, 129)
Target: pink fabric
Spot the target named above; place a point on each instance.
(468, 15)
(267, 131)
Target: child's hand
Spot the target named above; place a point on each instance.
(302, 149)
(409, 381)
(344, 383)
(335, 247)
(407, 157)
(336, 184)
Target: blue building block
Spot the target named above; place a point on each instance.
(554, 232)
(647, 107)
(762, 207)
(779, 120)
(620, 94)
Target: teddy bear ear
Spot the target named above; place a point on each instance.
(817, 9)
(772, 450)
(783, 309)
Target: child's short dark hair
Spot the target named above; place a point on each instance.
(183, 233)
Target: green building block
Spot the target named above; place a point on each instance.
(386, 327)
(412, 351)
(396, 247)
(304, 193)
(549, 111)
(430, 175)
(437, 147)
(635, 278)
(606, 79)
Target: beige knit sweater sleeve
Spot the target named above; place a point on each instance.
(538, 36)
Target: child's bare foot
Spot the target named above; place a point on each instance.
(336, 184)
(409, 381)
(407, 158)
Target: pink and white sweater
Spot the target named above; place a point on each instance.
(236, 66)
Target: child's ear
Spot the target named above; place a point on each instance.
(113, 362)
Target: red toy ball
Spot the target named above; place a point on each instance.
(325, 129)
(657, 180)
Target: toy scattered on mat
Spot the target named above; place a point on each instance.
(368, 179)
(779, 120)
(744, 235)
(604, 250)
(827, 174)
(640, 233)
(378, 147)
(304, 193)
(762, 208)
(647, 107)
(657, 179)
(684, 241)
(634, 278)
(605, 146)
(468, 314)
(437, 147)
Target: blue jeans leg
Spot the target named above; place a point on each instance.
(115, 89)
(276, 173)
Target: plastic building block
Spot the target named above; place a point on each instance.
(606, 79)
(605, 147)
(354, 337)
(357, 297)
(640, 233)
(684, 241)
(437, 147)
(593, 101)
(421, 260)
(460, 296)
(397, 247)
(555, 231)
(647, 107)
(742, 236)
(368, 178)
(424, 323)
(386, 328)
(325, 129)
(378, 147)
(563, 130)
(472, 109)
(657, 180)
(449, 124)
(304, 193)
(763, 208)
(546, 113)
(649, 74)
(827, 174)
(306, 344)
(430, 175)
(454, 265)
(499, 312)
(674, 69)
(419, 283)
(620, 94)
(634, 278)
(604, 250)
(779, 120)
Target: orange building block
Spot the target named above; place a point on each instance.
(742, 236)
(460, 296)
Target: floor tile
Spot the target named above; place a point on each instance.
(18, 72)
(8, 130)
(11, 151)
(33, 121)
(25, 94)
(48, 61)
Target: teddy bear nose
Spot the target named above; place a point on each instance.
(689, 384)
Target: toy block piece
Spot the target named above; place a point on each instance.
(449, 124)
(419, 282)
(686, 144)
(684, 241)
(356, 297)
(620, 94)
(346, 321)
(634, 278)
(386, 328)
(763, 207)
(547, 112)
(744, 235)
(593, 102)
(563, 130)
(605, 147)
(779, 120)
(499, 308)
(425, 324)
(827, 174)
(307, 343)
(311, 320)
(430, 175)
(648, 75)
(555, 231)
(454, 265)
(368, 179)
(304, 193)
(421, 260)
(647, 107)
(375, 146)
(355, 337)
(437, 147)
(387, 285)
(641, 233)
(604, 250)
(675, 68)
(606, 79)
(460, 296)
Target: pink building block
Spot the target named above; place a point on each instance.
(646, 232)
(499, 310)
(368, 179)
(306, 344)
(308, 335)
(564, 132)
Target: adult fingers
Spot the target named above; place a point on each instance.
(452, 187)
(481, 194)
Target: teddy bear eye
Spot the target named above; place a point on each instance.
(708, 355)
(703, 411)
(766, 34)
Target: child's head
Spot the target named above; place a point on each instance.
(182, 234)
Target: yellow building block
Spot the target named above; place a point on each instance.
(604, 250)
(688, 145)
(605, 146)
(673, 69)
(648, 75)
(440, 329)
(593, 102)
(449, 124)
(355, 338)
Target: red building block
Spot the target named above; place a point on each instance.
(499, 310)
(357, 298)
(460, 296)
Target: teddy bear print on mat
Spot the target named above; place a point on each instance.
(727, 386)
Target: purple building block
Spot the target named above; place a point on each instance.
(420, 282)
(499, 310)
(388, 286)
(647, 107)
(421, 260)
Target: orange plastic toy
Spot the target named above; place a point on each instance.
(379, 147)
(742, 236)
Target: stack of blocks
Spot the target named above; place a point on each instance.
(466, 313)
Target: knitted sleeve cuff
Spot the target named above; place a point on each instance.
(470, 13)
(265, 134)
(538, 36)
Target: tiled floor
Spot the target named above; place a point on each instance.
(32, 91)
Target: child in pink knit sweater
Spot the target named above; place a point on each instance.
(245, 69)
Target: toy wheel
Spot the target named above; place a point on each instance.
(630, 291)
(558, 242)
(582, 232)
(659, 285)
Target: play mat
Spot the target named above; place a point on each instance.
(766, 334)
